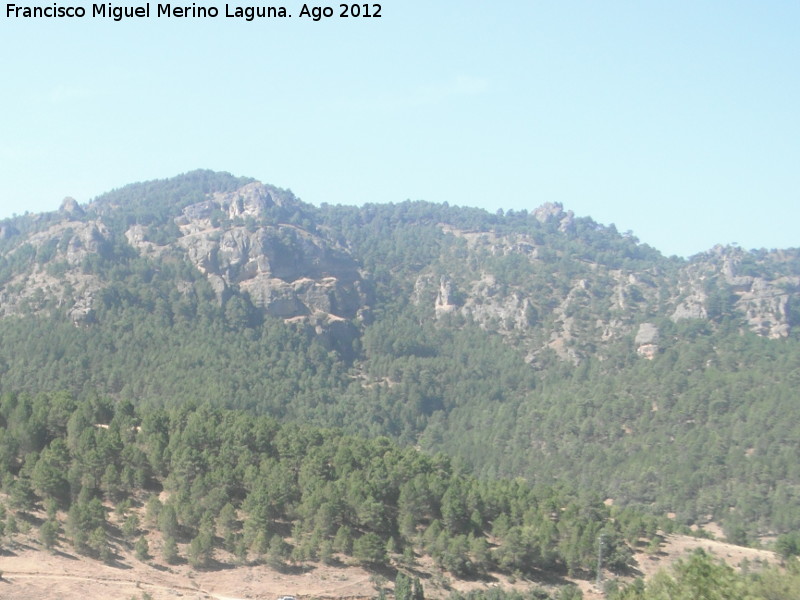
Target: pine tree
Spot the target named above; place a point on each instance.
(48, 533)
(142, 549)
(201, 550)
(170, 550)
(22, 496)
(402, 587)
(369, 549)
(168, 521)
(343, 542)
(130, 526)
(278, 551)
(99, 545)
(418, 593)
(326, 552)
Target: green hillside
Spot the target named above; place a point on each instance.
(536, 345)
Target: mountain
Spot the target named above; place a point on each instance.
(535, 344)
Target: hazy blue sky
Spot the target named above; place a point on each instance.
(677, 120)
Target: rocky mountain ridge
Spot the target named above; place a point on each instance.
(546, 286)
(599, 304)
(283, 269)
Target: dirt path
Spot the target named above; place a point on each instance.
(11, 577)
(32, 574)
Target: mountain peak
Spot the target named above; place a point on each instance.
(71, 208)
(554, 211)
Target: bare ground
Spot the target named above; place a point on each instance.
(676, 547)
(32, 573)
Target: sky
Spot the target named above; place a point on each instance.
(678, 121)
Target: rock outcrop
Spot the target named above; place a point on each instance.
(7, 232)
(762, 300)
(549, 284)
(236, 239)
(646, 340)
(71, 209)
(554, 211)
(53, 274)
(284, 269)
(444, 299)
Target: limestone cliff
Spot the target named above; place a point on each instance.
(236, 239)
(551, 283)
(552, 301)
(284, 269)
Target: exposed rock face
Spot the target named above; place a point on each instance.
(576, 315)
(544, 292)
(71, 208)
(544, 314)
(82, 312)
(691, 307)
(766, 309)
(88, 239)
(647, 334)
(286, 270)
(763, 302)
(444, 300)
(252, 200)
(136, 237)
(7, 231)
(646, 340)
(555, 211)
(66, 244)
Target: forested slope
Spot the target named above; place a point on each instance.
(239, 488)
(529, 344)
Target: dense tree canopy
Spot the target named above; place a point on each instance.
(243, 483)
(707, 429)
